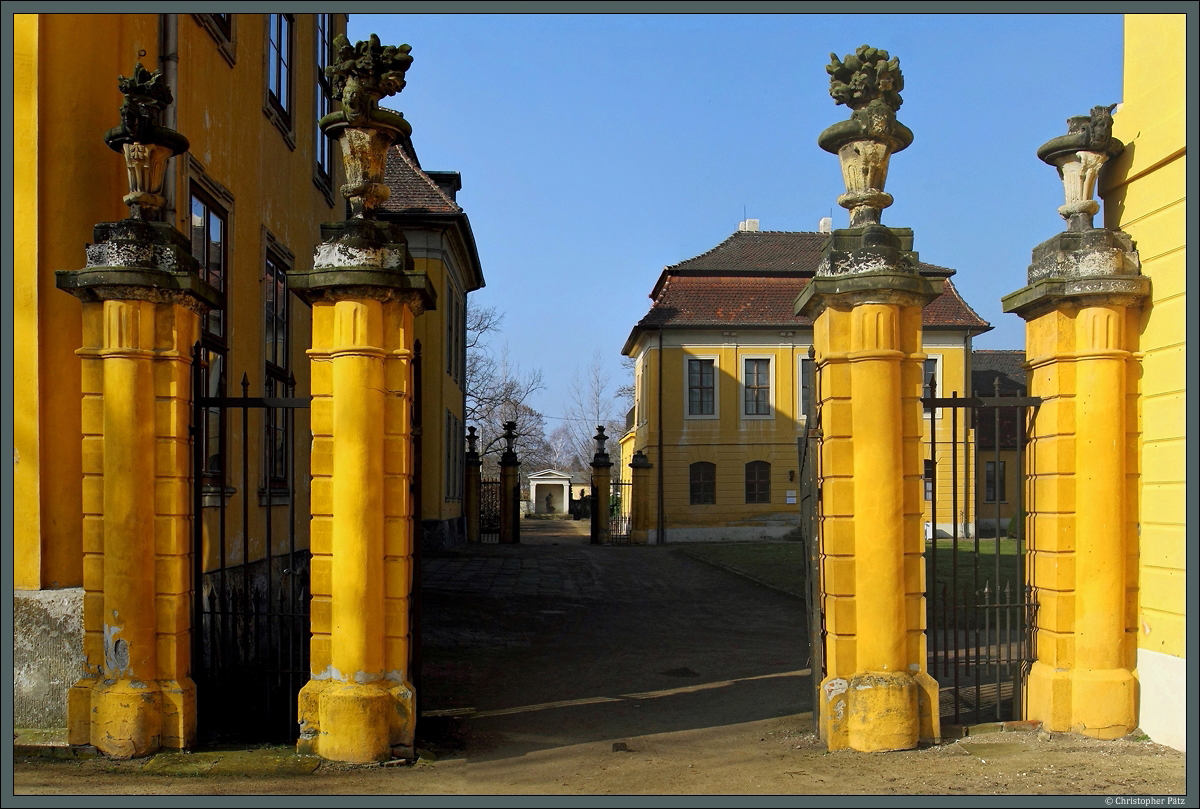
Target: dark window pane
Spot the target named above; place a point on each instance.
(703, 483)
(758, 482)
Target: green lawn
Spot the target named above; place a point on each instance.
(778, 564)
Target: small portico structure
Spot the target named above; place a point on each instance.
(550, 491)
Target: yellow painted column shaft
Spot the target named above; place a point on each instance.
(357, 537)
(878, 509)
(1100, 484)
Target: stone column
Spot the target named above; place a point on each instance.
(510, 488)
(142, 301)
(473, 487)
(1082, 308)
(359, 705)
(601, 491)
(639, 515)
(866, 302)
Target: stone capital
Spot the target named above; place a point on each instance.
(138, 260)
(1047, 294)
(365, 259)
(899, 288)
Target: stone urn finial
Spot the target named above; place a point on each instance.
(362, 74)
(146, 145)
(869, 82)
(1078, 156)
(472, 440)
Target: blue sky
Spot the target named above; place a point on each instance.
(595, 149)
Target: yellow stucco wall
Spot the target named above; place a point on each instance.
(68, 180)
(1144, 195)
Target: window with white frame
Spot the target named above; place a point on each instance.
(701, 387)
(756, 386)
(808, 393)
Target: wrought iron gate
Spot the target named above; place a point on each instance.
(620, 501)
(489, 511)
(809, 500)
(250, 628)
(980, 607)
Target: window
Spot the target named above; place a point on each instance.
(455, 333)
(279, 72)
(929, 378)
(455, 461)
(929, 473)
(220, 28)
(703, 478)
(808, 392)
(756, 384)
(278, 380)
(207, 222)
(324, 145)
(758, 482)
(702, 400)
(994, 483)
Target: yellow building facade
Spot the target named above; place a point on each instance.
(723, 365)
(1144, 193)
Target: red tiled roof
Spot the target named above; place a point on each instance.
(412, 189)
(753, 277)
(748, 300)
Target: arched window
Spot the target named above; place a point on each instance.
(758, 482)
(703, 477)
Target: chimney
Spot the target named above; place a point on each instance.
(750, 225)
(825, 225)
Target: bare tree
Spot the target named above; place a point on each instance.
(591, 402)
(497, 390)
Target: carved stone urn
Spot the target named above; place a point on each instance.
(869, 83)
(1078, 156)
(362, 74)
(146, 145)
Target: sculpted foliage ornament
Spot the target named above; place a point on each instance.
(869, 82)
(865, 76)
(365, 72)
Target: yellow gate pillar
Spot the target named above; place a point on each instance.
(359, 705)
(601, 491)
(473, 487)
(142, 301)
(639, 511)
(1082, 308)
(865, 302)
(510, 488)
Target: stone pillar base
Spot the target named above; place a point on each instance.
(875, 711)
(1100, 703)
(128, 718)
(357, 723)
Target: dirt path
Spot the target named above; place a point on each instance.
(559, 667)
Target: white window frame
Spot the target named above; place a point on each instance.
(716, 361)
(800, 381)
(940, 393)
(770, 358)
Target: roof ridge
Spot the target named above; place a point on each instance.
(728, 239)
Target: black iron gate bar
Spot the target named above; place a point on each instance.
(285, 668)
(619, 504)
(954, 614)
(489, 511)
